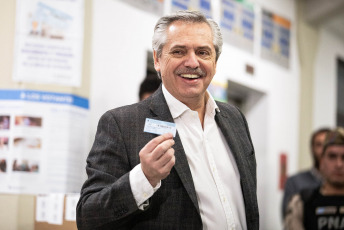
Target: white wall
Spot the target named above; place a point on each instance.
(325, 84)
(121, 38)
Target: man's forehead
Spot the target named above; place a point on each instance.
(172, 28)
(181, 42)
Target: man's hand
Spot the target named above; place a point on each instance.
(157, 158)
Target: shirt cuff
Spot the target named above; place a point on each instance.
(140, 187)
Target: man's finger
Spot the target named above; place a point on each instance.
(162, 148)
(152, 144)
(166, 157)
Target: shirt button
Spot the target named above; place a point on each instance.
(145, 195)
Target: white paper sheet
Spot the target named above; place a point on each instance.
(55, 208)
(70, 209)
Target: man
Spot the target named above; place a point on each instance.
(310, 178)
(322, 208)
(204, 177)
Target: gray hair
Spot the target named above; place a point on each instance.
(160, 36)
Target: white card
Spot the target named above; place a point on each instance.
(159, 127)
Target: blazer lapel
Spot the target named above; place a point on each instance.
(245, 161)
(225, 125)
(160, 109)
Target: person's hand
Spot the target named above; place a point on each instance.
(157, 158)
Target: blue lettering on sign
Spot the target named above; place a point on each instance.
(205, 4)
(180, 5)
(228, 15)
(228, 3)
(247, 24)
(44, 97)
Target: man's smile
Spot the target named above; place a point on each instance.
(190, 76)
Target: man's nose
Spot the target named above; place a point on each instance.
(191, 60)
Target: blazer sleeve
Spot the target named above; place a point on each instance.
(106, 198)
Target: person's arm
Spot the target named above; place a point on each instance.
(289, 191)
(294, 214)
(106, 197)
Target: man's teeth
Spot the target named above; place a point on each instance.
(192, 76)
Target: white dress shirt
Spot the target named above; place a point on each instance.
(213, 168)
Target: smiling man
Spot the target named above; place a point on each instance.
(177, 160)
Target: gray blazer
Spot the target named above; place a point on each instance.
(106, 200)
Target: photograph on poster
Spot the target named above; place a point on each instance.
(48, 41)
(4, 122)
(28, 121)
(3, 143)
(49, 22)
(27, 143)
(23, 165)
(3, 165)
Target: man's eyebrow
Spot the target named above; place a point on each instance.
(178, 46)
(204, 47)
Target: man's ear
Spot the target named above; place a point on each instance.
(156, 61)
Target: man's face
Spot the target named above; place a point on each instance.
(332, 165)
(318, 145)
(187, 63)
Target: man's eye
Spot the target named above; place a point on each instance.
(203, 53)
(332, 156)
(177, 52)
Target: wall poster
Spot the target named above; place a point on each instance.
(237, 24)
(49, 41)
(201, 5)
(43, 141)
(275, 44)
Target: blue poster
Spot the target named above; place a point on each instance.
(237, 24)
(201, 5)
(275, 44)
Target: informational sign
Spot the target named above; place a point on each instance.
(43, 141)
(151, 6)
(275, 44)
(237, 24)
(49, 41)
(201, 5)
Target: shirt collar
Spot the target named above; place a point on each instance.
(177, 108)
